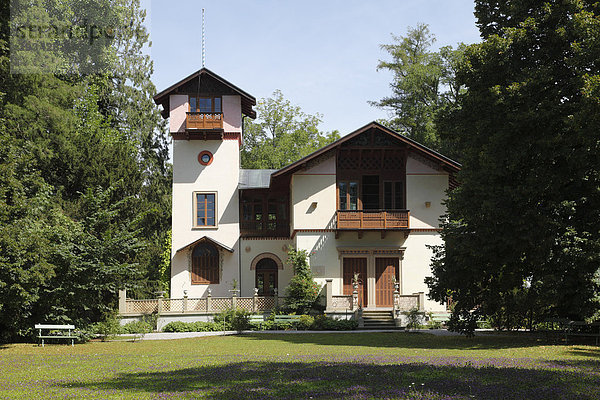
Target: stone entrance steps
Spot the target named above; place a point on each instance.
(378, 320)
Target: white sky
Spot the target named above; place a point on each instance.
(321, 54)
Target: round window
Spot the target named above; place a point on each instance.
(205, 158)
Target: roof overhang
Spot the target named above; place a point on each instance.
(248, 101)
(206, 239)
(449, 164)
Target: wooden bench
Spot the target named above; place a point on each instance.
(581, 328)
(441, 317)
(62, 335)
(256, 320)
(555, 328)
(285, 319)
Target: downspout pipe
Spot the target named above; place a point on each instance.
(239, 216)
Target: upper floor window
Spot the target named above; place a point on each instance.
(205, 104)
(264, 213)
(393, 195)
(348, 195)
(205, 206)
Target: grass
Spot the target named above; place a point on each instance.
(328, 366)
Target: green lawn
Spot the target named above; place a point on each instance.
(274, 366)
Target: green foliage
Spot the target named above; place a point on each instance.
(325, 323)
(424, 83)
(282, 134)
(522, 242)
(199, 326)
(305, 322)
(84, 183)
(136, 327)
(414, 319)
(233, 319)
(108, 328)
(301, 295)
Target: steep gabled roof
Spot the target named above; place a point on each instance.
(248, 100)
(449, 164)
(205, 239)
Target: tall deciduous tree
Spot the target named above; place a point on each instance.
(85, 184)
(522, 239)
(282, 134)
(424, 83)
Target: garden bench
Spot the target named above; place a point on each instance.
(556, 328)
(62, 335)
(285, 319)
(256, 320)
(442, 317)
(582, 328)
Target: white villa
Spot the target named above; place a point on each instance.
(368, 203)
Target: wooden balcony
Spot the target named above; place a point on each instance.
(204, 120)
(372, 219)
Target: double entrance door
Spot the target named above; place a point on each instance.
(386, 272)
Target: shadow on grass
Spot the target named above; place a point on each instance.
(586, 351)
(401, 339)
(354, 380)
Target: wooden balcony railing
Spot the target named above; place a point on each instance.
(372, 219)
(204, 120)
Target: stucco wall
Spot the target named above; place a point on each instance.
(232, 114)
(421, 189)
(424, 184)
(189, 176)
(416, 265)
(307, 189)
(326, 263)
(255, 247)
(178, 108)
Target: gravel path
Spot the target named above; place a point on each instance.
(186, 335)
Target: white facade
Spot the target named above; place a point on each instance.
(311, 190)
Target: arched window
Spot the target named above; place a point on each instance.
(266, 277)
(205, 264)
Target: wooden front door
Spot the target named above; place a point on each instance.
(385, 271)
(266, 277)
(359, 266)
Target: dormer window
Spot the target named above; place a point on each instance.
(205, 104)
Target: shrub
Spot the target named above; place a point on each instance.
(414, 319)
(199, 326)
(108, 328)
(325, 323)
(176, 326)
(136, 327)
(233, 319)
(305, 322)
(302, 293)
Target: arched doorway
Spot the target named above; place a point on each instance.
(266, 277)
